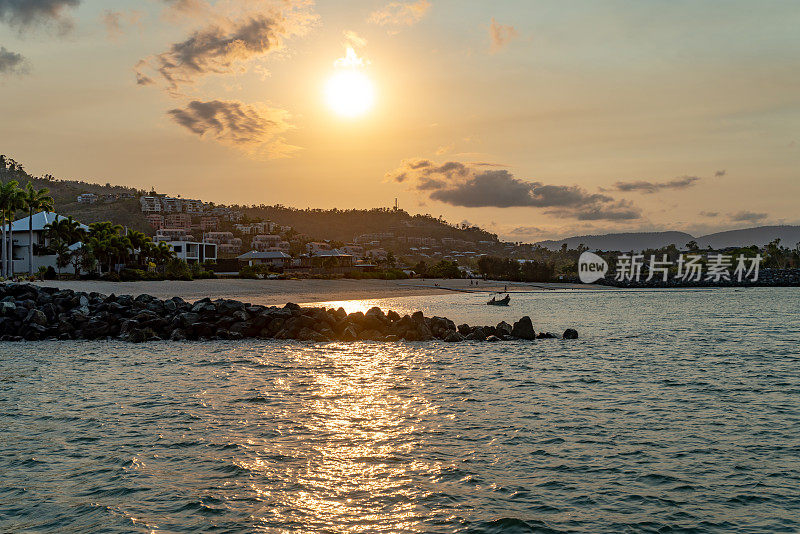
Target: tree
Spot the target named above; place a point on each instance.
(10, 202)
(35, 200)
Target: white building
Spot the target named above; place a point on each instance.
(87, 198)
(171, 204)
(20, 248)
(150, 204)
(194, 252)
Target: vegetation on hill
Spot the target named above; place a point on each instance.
(124, 211)
(346, 225)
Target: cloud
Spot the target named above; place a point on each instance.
(115, 20)
(720, 174)
(501, 35)
(653, 187)
(12, 62)
(709, 213)
(255, 129)
(470, 186)
(748, 216)
(400, 13)
(25, 13)
(223, 47)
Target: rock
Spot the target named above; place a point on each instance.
(523, 329)
(454, 337)
(7, 307)
(477, 334)
(547, 335)
(493, 339)
(504, 328)
(570, 333)
(36, 317)
(464, 329)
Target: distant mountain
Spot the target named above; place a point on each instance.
(625, 241)
(789, 236)
(760, 236)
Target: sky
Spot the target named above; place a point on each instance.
(533, 119)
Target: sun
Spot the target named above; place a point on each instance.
(350, 93)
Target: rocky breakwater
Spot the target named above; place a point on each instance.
(30, 313)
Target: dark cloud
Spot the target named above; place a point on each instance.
(11, 62)
(459, 184)
(653, 187)
(709, 213)
(748, 216)
(253, 128)
(25, 13)
(221, 48)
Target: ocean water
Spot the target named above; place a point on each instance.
(676, 411)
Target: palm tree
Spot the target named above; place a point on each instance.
(138, 241)
(35, 199)
(10, 202)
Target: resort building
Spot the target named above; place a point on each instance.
(87, 198)
(178, 220)
(226, 243)
(316, 248)
(150, 204)
(193, 207)
(155, 220)
(194, 252)
(271, 258)
(267, 243)
(172, 204)
(42, 257)
(209, 224)
(173, 234)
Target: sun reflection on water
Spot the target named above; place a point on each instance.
(348, 451)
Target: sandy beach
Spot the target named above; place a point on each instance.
(279, 292)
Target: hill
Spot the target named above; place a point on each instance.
(622, 241)
(760, 236)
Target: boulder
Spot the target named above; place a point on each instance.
(570, 333)
(523, 329)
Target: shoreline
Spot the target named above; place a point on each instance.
(279, 292)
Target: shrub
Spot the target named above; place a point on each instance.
(177, 269)
(111, 277)
(50, 273)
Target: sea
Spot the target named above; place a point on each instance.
(676, 411)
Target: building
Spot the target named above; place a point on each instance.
(315, 248)
(173, 234)
(327, 259)
(209, 224)
(193, 207)
(266, 227)
(178, 220)
(267, 243)
(357, 251)
(41, 255)
(377, 254)
(172, 204)
(87, 198)
(193, 251)
(150, 204)
(271, 258)
(226, 243)
(155, 220)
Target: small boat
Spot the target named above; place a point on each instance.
(501, 302)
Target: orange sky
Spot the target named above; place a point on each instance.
(533, 119)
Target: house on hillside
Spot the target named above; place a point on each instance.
(87, 198)
(42, 257)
